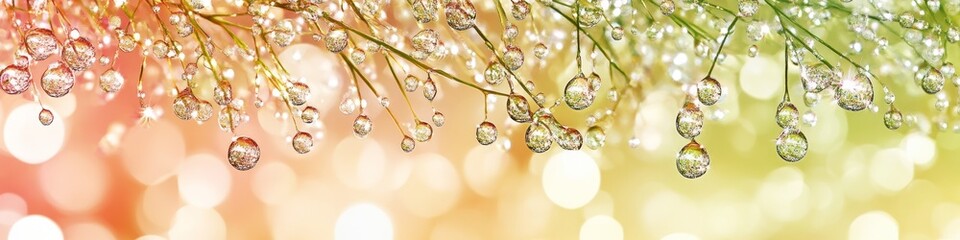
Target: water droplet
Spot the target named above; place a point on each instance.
(362, 126)
(223, 93)
(358, 56)
(495, 73)
(569, 138)
(298, 93)
(792, 145)
(932, 82)
(855, 94)
(540, 50)
(810, 118)
(438, 119)
(425, 10)
(410, 83)
(204, 111)
(407, 144)
(689, 120)
(302, 142)
(384, 101)
(693, 160)
(748, 7)
(426, 41)
(46, 117)
(590, 15)
(282, 34)
(243, 153)
(185, 105)
(160, 49)
(521, 9)
(79, 54)
(578, 93)
(348, 105)
(513, 57)
(127, 43)
(336, 40)
(667, 7)
(616, 33)
(787, 115)
(595, 137)
(111, 81)
(511, 32)
(461, 15)
(422, 132)
(893, 119)
(41, 43)
(811, 99)
(518, 108)
(817, 77)
(486, 133)
(15, 79)
(429, 89)
(708, 91)
(57, 80)
(538, 137)
(595, 81)
(309, 114)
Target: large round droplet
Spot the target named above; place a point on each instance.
(111, 81)
(708, 91)
(422, 132)
(578, 94)
(856, 93)
(336, 40)
(243, 153)
(57, 80)
(429, 89)
(787, 115)
(185, 106)
(792, 145)
(518, 108)
(513, 57)
(204, 111)
(495, 73)
(590, 15)
(407, 144)
(689, 120)
(893, 119)
(520, 9)
(596, 137)
(538, 137)
(461, 15)
(79, 54)
(302, 142)
(932, 82)
(45, 117)
(15, 79)
(818, 77)
(298, 93)
(693, 161)
(426, 40)
(410, 83)
(309, 114)
(41, 43)
(569, 138)
(362, 126)
(486, 133)
(425, 10)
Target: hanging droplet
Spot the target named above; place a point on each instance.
(407, 144)
(302, 142)
(818, 77)
(282, 34)
(111, 81)
(753, 50)
(495, 73)
(578, 93)
(616, 33)
(223, 93)
(298, 93)
(429, 89)
(57, 80)
(309, 114)
(348, 105)
(204, 111)
(855, 94)
(513, 57)
(46, 117)
(693, 160)
(422, 132)
(590, 15)
(79, 54)
(595, 81)
(410, 83)
(595, 137)
(243, 153)
(893, 119)
(336, 40)
(792, 145)
(41, 43)
(127, 43)
(486, 133)
(667, 7)
(362, 126)
(748, 7)
(708, 91)
(230, 117)
(185, 106)
(521, 9)
(426, 40)
(569, 139)
(15, 79)
(540, 50)
(438, 119)
(538, 137)
(689, 120)
(787, 115)
(932, 82)
(425, 10)
(518, 108)
(358, 56)
(461, 15)
(511, 32)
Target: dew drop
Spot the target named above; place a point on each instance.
(748, 7)
(243, 153)
(358, 56)
(15, 79)
(46, 117)
(302, 142)
(855, 94)
(438, 119)
(223, 93)
(689, 120)
(667, 7)
(127, 43)
(538, 137)
(429, 89)
(540, 50)
(590, 15)
(78, 54)
(787, 115)
(407, 144)
(426, 41)
(520, 10)
(932, 82)
(518, 108)
(486, 133)
(569, 139)
(309, 114)
(578, 93)
(495, 73)
(422, 132)
(111, 81)
(204, 111)
(708, 91)
(362, 126)
(596, 137)
(185, 106)
(616, 33)
(817, 77)
(41, 43)
(336, 40)
(893, 119)
(58, 80)
(425, 10)
(792, 145)
(693, 160)
(461, 14)
(298, 93)
(410, 83)
(513, 57)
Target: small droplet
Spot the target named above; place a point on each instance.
(689, 120)
(511, 32)
(520, 10)
(569, 138)
(424, 10)
(410, 83)
(540, 50)
(243, 153)
(362, 126)
(429, 89)
(58, 80)
(461, 14)
(348, 105)
(185, 106)
(407, 144)
(298, 93)
(384, 101)
(595, 137)
(438, 119)
(578, 93)
(787, 115)
(667, 7)
(486, 133)
(693, 160)
(932, 82)
(893, 119)
(204, 111)
(495, 73)
(302, 142)
(855, 94)
(538, 137)
(518, 108)
(309, 114)
(422, 132)
(336, 40)
(127, 43)
(46, 117)
(223, 93)
(616, 33)
(748, 7)
(426, 40)
(358, 56)
(513, 57)
(111, 81)
(708, 91)
(15, 79)
(792, 145)
(818, 77)
(590, 15)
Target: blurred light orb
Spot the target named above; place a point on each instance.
(159, 204)
(891, 170)
(363, 221)
(601, 227)
(874, 225)
(153, 153)
(571, 179)
(197, 223)
(922, 149)
(359, 163)
(74, 183)
(315, 66)
(755, 77)
(273, 182)
(204, 180)
(27, 139)
(88, 231)
(680, 236)
(35, 227)
(433, 187)
(11, 203)
(483, 169)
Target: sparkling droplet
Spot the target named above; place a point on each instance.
(708, 91)
(46, 117)
(185, 106)
(595, 137)
(160, 49)
(513, 57)
(569, 138)
(538, 137)
(362, 126)
(358, 56)
(495, 73)
(111, 81)
(578, 93)
(425, 10)
(127, 43)
(438, 119)
(511, 32)
(810, 118)
(79, 54)
(693, 160)
(932, 82)
(407, 144)
(302, 142)
(384, 101)
(595, 82)
(811, 99)
(521, 9)
(486, 133)
(748, 7)
(336, 40)
(57, 80)
(410, 83)
(792, 145)
(422, 132)
(309, 114)
(753, 50)
(298, 93)
(348, 105)
(616, 33)
(540, 50)
(426, 41)
(282, 34)
(893, 119)
(855, 94)
(518, 108)
(429, 89)
(243, 153)
(787, 115)
(41, 43)
(689, 121)
(461, 15)
(15, 79)
(223, 93)
(590, 15)
(667, 7)
(817, 77)
(204, 111)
